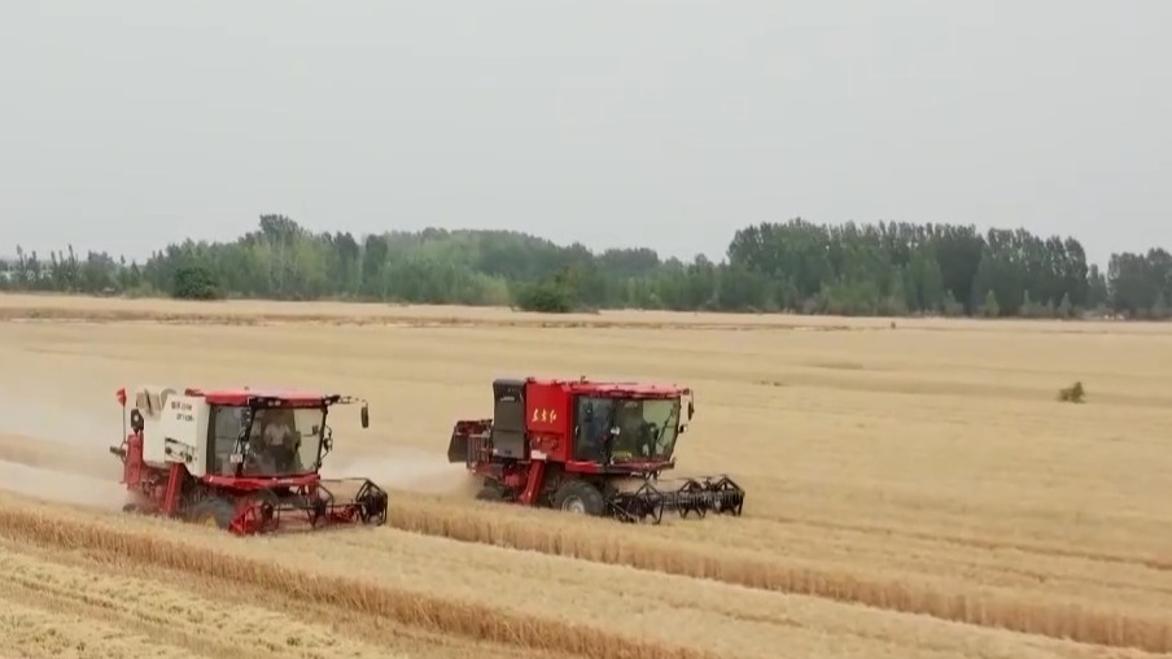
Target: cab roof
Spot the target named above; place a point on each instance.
(616, 389)
(244, 396)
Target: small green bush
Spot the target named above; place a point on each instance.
(1072, 394)
(195, 282)
(546, 297)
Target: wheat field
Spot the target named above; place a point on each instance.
(915, 489)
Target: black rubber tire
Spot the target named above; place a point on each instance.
(578, 496)
(221, 512)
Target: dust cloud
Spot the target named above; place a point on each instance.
(406, 468)
(60, 487)
(67, 433)
(28, 409)
(55, 447)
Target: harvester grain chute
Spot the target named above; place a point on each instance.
(246, 461)
(595, 448)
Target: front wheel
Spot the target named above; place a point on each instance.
(213, 512)
(579, 497)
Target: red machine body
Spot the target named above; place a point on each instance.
(588, 447)
(247, 461)
(550, 422)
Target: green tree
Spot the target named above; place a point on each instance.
(1098, 294)
(885, 268)
(547, 296)
(895, 304)
(1160, 307)
(991, 308)
(1031, 309)
(950, 307)
(1137, 280)
(195, 282)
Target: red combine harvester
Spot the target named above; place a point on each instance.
(588, 447)
(246, 461)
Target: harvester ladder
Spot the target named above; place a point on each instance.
(174, 487)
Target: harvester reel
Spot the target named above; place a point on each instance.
(696, 495)
(645, 504)
(729, 497)
(691, 499)
(372, 503)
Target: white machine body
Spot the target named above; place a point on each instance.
(175, 428)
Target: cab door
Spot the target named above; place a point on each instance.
(593, 420)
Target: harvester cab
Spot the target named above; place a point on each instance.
(589, 447)
(247, 461)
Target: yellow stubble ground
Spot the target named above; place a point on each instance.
(925, 467)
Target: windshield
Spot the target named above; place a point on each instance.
(281, 440)
(646, 428)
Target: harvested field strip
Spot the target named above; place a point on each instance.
(1049, 574)
(152, 631)
(265, 618)
(674, 610)
(210, 626)
(1153, 562)
(977, 606)
(33, 631)
(416, 609)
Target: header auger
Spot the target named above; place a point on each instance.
(246, 461)
(592, 448)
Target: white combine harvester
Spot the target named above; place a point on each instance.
(247, 461)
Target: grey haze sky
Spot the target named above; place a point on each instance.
(126, 125)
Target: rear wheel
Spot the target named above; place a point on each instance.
(213, 512)
(580, 497)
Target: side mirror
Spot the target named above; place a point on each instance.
(365, 414)
(327, 440)
(691, 410)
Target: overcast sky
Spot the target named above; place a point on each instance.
(125, 125)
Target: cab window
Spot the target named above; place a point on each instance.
(594, 417)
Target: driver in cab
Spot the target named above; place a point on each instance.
(636, 433)
(277, 450)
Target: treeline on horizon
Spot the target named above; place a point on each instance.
(796, 266)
